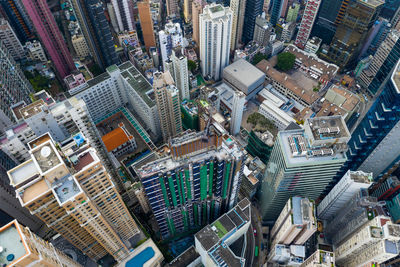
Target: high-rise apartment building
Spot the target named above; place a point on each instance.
(215, 44)
(124, 14)
(197, 183)
(253, 9)
(303, 162)
(14, 87)
(170, 38)
(172, 8)
(80, 46)
(146, 22)
(18, 19)
(187, 10)
(95, 28)
(168, 103)
(293, 12)
(35, 51)
(197, 9)
(262, 31)
(10, 40)
(238, 8)
(50, 36)
(383, 62)
(178, 68)
(320, 258)
(239, 99)
(389, 9)
(276, 11)
(68, 188)
(372, 142)
(358, 18)
(27, 249)
(377, 35)
(344, 190)
(296, 223)
(307, 22)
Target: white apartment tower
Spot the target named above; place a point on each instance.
(239, 99)
(178, 68)
(169, 38)
(10, 40)
(124, 14)
(215, 39)
(307, 22)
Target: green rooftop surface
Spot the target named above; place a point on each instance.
(112, 68)
(139, 83)
(217, 8)
(98, 79)
(221, 231)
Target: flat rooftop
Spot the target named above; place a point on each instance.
(23, 172)
(331, 127)
(83, 160)
(34, 190)
(66, 188)
(46, 157)
(12, 244)
(32, 109)
(184, 259)
(244, 71)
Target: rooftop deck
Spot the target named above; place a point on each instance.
(23, 172)
(32, 109)
(33, 191)
(82, 161)
(11, 243)
(46, 157)
(66, 188)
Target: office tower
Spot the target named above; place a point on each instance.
(169, 38)
(389, 9)
(168, 101)
(124, 14)
(197, 9)
(253, 9)
(68, 188)
(307, 22)
(376, 241)
(382, 63)
(303, 162)
(197, 183)
(293, 12)
(18, 19)
(372, 142)
(296, 223)
(350, 35)
(35, 51)
(187, 10)
(342, 192)
(50, 36)
(172, 8)
(262, 31)
(238, 8)
(377, 35)
(325, 24)
(10, 40)
(95, 28)
(178, 68)
(146, 22)
(320, 258)
(27, 249)
(213, 241)
(215, 45)
(276, 11)
(14, 87)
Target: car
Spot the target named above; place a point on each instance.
(255, 232)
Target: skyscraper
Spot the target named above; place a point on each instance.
(215, 44)
(253, 9)
(276, 10)
(168, 103)
(14, 87)
(68, 188)
(389, 9)
(47, 29)
(10, 40)
(307, 22)
(29, 249)
(372, 142)
(197, 9)
(262, 31)
(18, 19)
(172, 8)
(124, 14)
(238, 8)
(95, 28)
(382, 63)
(170, 38)
(178, 67)
(303, 162)
(187, 10)
(197, 183)
(358, 18)
(146, 22)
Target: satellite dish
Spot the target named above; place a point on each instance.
(45, 152)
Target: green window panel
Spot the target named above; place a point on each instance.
(185, 220)
(171, 226)
(203, 182)
(182, 181)
(172, 190)
(196, 215)
(226, 179)
(188, 185)
(164, 192)
(211, 178)
(204, 215)
(180, 189)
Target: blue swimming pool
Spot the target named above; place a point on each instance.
(140, 259)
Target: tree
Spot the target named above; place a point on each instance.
(258, 57)
(285, 61)
(192, 66)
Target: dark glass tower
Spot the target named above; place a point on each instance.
(95, 28)
(275, 11)
(253, 9)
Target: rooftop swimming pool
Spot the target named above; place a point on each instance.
(140, 259)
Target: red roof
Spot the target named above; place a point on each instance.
(115, 138)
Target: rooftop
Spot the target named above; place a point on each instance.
(146, 255)
(343, 98)
(331, 127)
(66, 188)
(32, 109)
(115, 138)
(81, 161)
(23, 172)
(98, 79)
(12, 245)
(242, 70)
(46, 157)
(184, 259)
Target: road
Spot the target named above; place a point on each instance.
(256, 224)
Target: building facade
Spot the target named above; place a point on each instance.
(124, 14)
(178, 68)
(146, 22)
(170, 38)
(50, 36)
(10, 40)
(238, 9)
(215, 44)
(18, 19)
(35, 51)
(253, 9)
(307, 22)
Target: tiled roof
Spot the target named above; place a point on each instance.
(115, 138)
